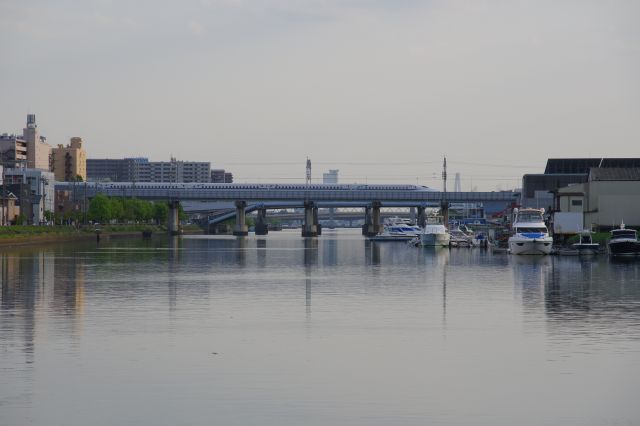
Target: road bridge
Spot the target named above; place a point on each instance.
(263, 197)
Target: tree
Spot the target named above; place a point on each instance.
(117, 208)
(143, 210)
(160, 212)
(100, 208)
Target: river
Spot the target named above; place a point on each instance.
(280, 330)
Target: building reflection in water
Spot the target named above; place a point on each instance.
(35, 280)
(583, 291)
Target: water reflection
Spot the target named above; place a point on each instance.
(150, 314)
(530, 273)
(592, 295)
(310, 251)
(372, 252)
(261, 245)
(241, 251)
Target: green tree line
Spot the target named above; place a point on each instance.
(105, 209)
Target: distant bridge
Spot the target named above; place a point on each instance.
(261, 197)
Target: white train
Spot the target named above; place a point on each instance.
(241, 186)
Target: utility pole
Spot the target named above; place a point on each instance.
(444, 177)
(444, 205)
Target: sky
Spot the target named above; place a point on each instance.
(381, 90)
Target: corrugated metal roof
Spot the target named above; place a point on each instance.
(582, 165)
(619, 173)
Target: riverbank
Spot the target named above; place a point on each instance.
(25, 235)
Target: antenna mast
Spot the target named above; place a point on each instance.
(308, 181)
(444, 204)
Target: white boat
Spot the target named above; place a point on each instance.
(396, 229)
(459, 238)
(530, 234)
(435, 234)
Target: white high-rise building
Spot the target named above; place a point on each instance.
(331, 177)
(457, 185)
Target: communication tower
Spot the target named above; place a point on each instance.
(457, 187)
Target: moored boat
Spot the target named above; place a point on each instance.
(435, 234)
(396, 229)
(459, 238)
(624, 242)
(530, 234)
(586, 246)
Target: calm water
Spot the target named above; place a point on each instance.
(278, 330)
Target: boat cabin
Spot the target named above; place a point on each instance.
(624, 233)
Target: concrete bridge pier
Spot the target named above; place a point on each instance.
(444, 211)
(309, 227)
(367, 221)
(262, 227)
(422, 217)
(315, 221)
(173, 225)
(372, 223)
(240, 229)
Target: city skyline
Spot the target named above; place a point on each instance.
(380, 90)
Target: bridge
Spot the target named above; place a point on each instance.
(263, 197)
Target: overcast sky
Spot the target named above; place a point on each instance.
(256, 86)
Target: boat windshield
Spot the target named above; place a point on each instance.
(536, 230)
(530, 217)
(623, 233)
(586, 239)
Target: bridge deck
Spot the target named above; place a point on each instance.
(361, 193)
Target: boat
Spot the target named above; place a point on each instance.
(530, 234)
(396, 229)
(435, 234)
(480, 240)
(459, 238)
(624, 242)
(586, 246)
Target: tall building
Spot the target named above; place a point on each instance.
(67, 163)
(177, 171)
(331, 177)
(221, 176)
(38, 150)
(457, 186)
(13, 150)
(115, 170)
(143, 170)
